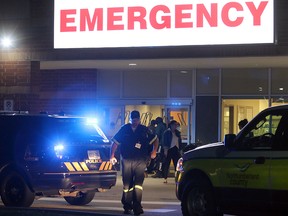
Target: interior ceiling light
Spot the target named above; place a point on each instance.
(183, 72)
(132, 64)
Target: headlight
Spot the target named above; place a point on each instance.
(179, 167)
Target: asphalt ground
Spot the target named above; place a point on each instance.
(154, 184)
(4, 211)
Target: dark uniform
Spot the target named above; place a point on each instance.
(135, 151)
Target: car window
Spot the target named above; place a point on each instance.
(261, 133)
(268, 125)
(281, 135)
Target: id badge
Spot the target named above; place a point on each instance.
(138, 145)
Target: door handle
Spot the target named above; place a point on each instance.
(259, 160)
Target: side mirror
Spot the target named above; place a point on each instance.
(229, 140)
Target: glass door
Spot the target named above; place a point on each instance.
(111, 118)
(235, 110)
(181, 114)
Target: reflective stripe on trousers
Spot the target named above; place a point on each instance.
(132, 177)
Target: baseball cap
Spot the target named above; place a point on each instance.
(134, 114)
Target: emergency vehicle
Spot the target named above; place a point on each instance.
(49, 155)
(246, 173)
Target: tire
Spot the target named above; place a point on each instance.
(198, 200)
(15, 192)
(83, 199)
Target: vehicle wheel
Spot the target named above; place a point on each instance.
(15, 191)
(83, 199)
(198, 200)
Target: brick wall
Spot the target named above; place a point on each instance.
(35, 90)
(15, 73)
(77, 106)
(70, 90)
(15, 83)
(68, 80)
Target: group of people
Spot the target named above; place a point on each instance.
(170, 143)
(139, 146)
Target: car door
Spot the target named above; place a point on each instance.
(279, 166)
(246, 172)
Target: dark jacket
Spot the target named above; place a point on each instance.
(167, 139)
(127, 139)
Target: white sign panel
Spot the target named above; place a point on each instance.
(135, 23)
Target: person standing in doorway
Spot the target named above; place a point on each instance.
(171, 141)
(242, 123)
(134, 141)
(152, 126)
(159, 130)
(151, 166)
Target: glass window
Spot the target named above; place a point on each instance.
(181, 84)
(110, 119)
(108, 84)
(235, 110)
(279, 77)
(147, 84)
(279, 100)
(245, 81)
(207, 81)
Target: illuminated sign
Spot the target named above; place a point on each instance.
(135, 23)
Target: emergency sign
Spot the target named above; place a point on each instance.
(93, 23)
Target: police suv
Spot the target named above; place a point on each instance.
(46, 155)
(248, 172)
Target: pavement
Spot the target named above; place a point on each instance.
(151, 193)
(5, 211)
